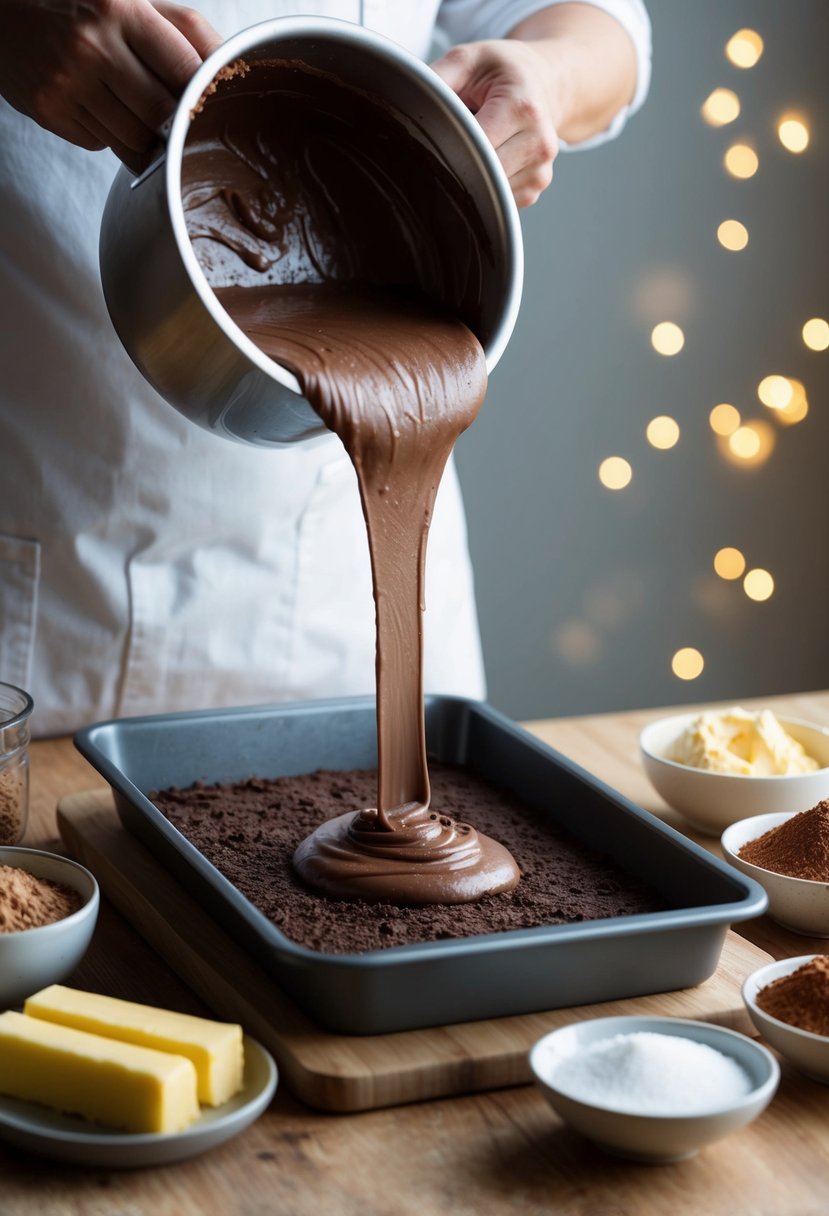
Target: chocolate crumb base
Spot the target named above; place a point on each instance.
(249, 830)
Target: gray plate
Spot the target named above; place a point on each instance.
(71, 1138)
(491, 975)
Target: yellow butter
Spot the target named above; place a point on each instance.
(214, 1047)
(747, 743)
(118, 1084)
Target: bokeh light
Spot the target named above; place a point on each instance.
(751, 444)
(741, 161)
(732, 235)
(758, 585)
(724, 419)
(797, 406)
(816, 334)
(721, 107)
(577, 643)
(662, 432)
(729, 563)
(793, 133)
(667, 338)
(775, 391)
(616, 598)
(744, 48)
(687, 663)
(615, 473)
(745, 442)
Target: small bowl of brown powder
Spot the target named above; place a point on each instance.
(788, 1002)
(48, 910)
(788, 854)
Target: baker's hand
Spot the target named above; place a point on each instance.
(510, 89)
(100, 73)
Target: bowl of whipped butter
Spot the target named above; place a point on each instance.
(717, 766)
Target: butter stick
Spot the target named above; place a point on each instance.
(118, 1084)
(215, 1048)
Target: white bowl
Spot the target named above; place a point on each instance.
(656, 1138)
(799, 904)
(712, 801)
(809, 1053)
(31, 959)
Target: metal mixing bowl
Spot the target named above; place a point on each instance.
(161, 304)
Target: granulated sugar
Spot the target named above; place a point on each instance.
(651, 1074)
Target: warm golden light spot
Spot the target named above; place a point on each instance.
(798, 406)
(615, 473)
(721, 107)
(667, 338)
(741, 161)
(758, 585)
(732, 235)
(729, 563)
(750, 444)
(744, 48)
(775, 391)
(745, 442)
(793, 133)
(687, 663)
(662, 432)
(724, 419)
(617, 598)
(816, 334)
(577, 643)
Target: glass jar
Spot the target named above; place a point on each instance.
(15, 711)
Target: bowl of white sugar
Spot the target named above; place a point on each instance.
(653, 1088)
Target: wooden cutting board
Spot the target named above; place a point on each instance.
(343, 1072)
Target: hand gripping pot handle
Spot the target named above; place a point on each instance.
(160, 296)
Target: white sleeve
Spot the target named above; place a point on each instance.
(472, 20)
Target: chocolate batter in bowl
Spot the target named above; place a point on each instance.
(419, 202)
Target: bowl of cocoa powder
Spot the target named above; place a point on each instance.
(48, 910)
(788, 854)
(788, 1001)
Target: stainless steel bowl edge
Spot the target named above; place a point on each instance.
(164, 310)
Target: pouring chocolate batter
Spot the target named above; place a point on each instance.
(293, 193)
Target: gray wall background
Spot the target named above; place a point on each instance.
(626, 237)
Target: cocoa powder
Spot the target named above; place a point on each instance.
(802, 998)
(12, 805)
(27, 902)
(798, 848)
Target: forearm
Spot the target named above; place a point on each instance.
(592, 66)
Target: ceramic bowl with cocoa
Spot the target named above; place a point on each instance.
(48, 910)
(788, 854)
(788, 1002)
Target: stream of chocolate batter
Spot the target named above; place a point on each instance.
(397, 378)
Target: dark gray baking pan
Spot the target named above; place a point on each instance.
(455, 980)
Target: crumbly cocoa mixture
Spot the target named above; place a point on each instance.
(249, 832)
(27, 902)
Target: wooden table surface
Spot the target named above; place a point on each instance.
(485, 1154)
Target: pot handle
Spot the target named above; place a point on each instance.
(149, 171)
(154, 159)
